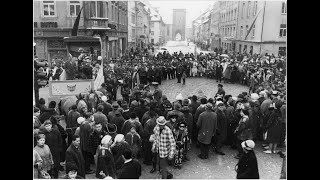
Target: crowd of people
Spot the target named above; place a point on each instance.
(142, 125)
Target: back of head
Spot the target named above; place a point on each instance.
(127, 153)
(194, 98)
(52, 104)
(100, 108)
(133, 115)
(42, 101)
(203, 101)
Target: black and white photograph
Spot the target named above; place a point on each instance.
(159, 89)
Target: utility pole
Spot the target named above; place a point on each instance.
(264, 9)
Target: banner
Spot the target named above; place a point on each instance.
(70, 87)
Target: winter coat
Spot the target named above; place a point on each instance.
(54, 141)
(46, 157)
(47, 115)
(100, 117)
(134, 141)
(71, 119)
(95, 140)
(85, 131)
(117, 152)
(105, 163)
(140, 110)
(222, 125)
(130, 170)
(244, 130)
(247, 167)
(74, 157)
(118, 120)
(199, 110)
(274, 127)
(207, 124)
(36, 159)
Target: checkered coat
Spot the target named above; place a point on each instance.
(164, 143)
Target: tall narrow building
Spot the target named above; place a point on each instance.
(179, 24)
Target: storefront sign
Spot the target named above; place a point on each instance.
(56, 43)
(70, 87)
(49, 24)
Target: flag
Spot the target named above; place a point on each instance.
(254, 20)
(76, 24)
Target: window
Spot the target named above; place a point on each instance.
(112, 13)
(107, 10)
(74, 8)
(235, 14)
(246, 30)
(133, 32)
(234, 31)
(116, 14)
(96, 9)
(283, 30)
(48, 8)
(282, 51)
(255, 8)
(241, 31)
(152, 33)
(249, 9)
(284, 8)
(133, 19)
(243, 9)
(152, 25)
(240, 48)
(245, 48)
(253, 29)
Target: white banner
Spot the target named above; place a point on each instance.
(99, 79)
(70, 87)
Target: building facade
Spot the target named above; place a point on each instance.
(228, 23)
(168, 36)
(215, 38)
(54, 20)
(179, 23)
(264, 23)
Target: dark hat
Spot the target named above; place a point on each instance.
(111, 128)
(278, 104)
(185, 102)
(241, 96)
(220, 85)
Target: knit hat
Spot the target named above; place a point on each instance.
(161, 120)
(248, 144)
(80, 120)
(106, 139)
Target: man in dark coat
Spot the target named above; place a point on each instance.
(207, 124)
(131, 168)
(141, 109)
(147, 132)
(74, 157)
(46, 115)
(222, 128)
(85, 131)
(71, 122)
(247, 167)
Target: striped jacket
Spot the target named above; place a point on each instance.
(164, 143)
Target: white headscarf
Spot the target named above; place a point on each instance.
(119, 138)
(106, 139)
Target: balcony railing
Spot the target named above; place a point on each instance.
(96, 23)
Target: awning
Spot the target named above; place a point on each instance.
(81, 39)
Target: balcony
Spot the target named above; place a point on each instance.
(96, 23)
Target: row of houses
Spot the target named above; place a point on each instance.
(243, 26)
(120, 24)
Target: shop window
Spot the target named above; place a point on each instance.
(74, 8)
(48, 8)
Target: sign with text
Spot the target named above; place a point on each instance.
(70, 87)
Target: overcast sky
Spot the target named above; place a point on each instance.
(193, 7)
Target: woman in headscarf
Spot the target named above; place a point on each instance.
(105, 163)
(243, 131)
(44, 151)
(117, 149)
